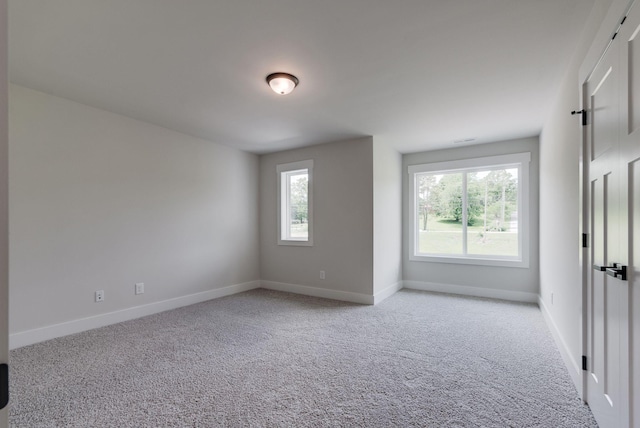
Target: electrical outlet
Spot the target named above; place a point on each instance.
(321, 274)
(140, 288)
(100, 296)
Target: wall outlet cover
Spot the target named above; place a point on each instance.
(140, 288)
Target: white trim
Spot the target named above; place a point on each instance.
(344, 296)
(569, 361)
(292, 167)
(30, 337)
(465, 164)
(387, 292)
(36, 335)
(470, 260)
(465, 290)
(519, 160)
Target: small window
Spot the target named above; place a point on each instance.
(295, 203)
(471, 211)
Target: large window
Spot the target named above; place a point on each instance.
(471, 211)
(295, 203)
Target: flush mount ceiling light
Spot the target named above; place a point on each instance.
(282, 83)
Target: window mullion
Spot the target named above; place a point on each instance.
(464, 213)
(416, 216)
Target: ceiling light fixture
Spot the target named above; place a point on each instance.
(282, 83)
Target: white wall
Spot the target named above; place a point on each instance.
(559, 206)
(4, 218)
(387, 219)
(99, 201)
(490, 281)
(342, 229)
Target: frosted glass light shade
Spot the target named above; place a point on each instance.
(282, 83)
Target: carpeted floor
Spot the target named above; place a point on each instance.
(265, 358)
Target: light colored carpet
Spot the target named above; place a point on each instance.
(265, 358)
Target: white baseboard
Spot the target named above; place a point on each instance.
(30, 337)
(387, 292)
(517, 296)
(572, 363)
(345, 296)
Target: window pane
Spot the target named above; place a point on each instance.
(492, 210)
(298, 205)
(439, 205)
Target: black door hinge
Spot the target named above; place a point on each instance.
(585, 240)
(4, 385)
(584, 363)
(583, 113)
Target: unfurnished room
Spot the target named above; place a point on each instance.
(282, 213)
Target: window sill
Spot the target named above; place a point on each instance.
(295, 243)
(471, 261)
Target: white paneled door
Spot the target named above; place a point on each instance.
(611, 97)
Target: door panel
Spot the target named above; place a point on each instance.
(604, 301)
(629, 167)
(634, 284)
(633, 73)
(596, 285)
(604, 102)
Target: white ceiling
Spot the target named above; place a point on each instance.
(418, 73)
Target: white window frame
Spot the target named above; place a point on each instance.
(283, 190)
(519, 160)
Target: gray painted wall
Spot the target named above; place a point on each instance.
(500, 278)
(101, 201)
(343, 219)
(387, 216)
(4, 197)
(559, 193)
